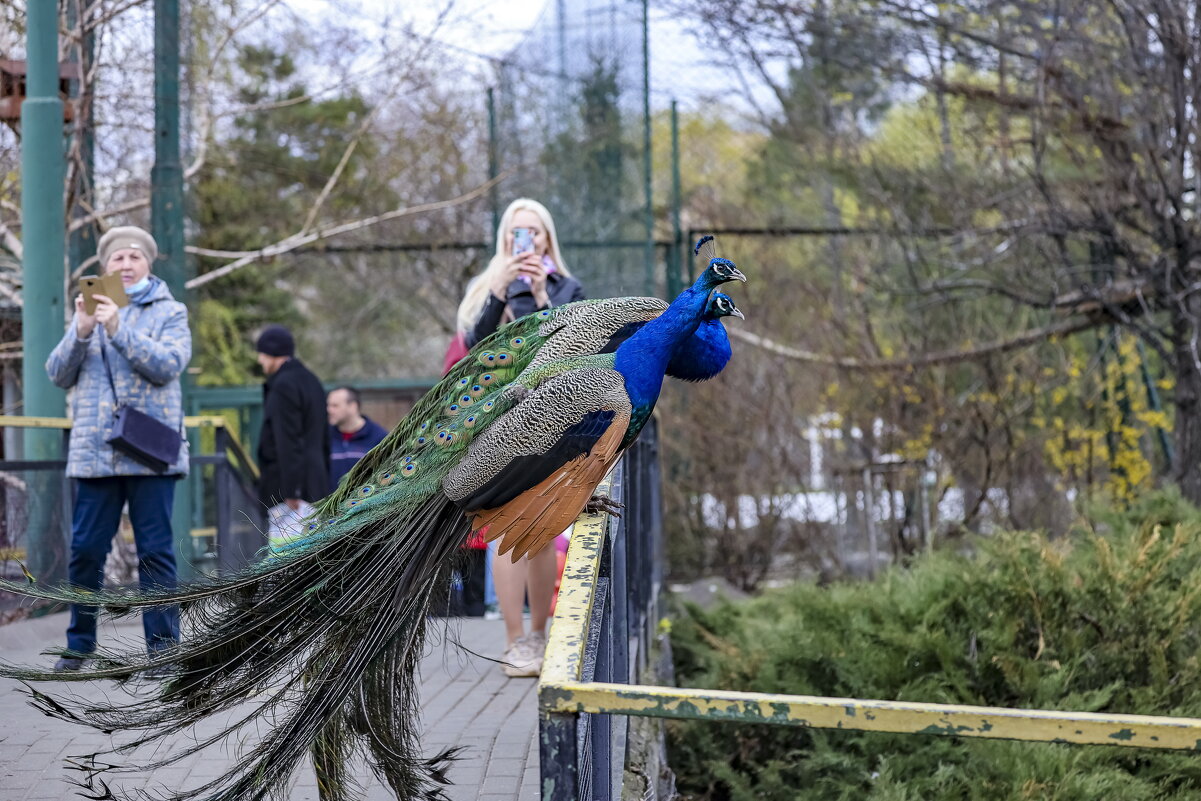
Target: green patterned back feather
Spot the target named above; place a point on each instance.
(459, 402)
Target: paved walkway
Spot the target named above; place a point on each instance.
(466, 701)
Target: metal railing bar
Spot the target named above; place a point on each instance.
(568, 636)
(592, 668)
(20, 421)
(899, 717)
(23, 421)
(598, 757)
(39, 464)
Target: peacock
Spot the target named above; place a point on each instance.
(325, 636)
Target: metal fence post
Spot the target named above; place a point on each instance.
(42, 169)
(675, 273)
(228, 555)
(558, 756)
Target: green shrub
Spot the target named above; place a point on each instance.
(1104, 620)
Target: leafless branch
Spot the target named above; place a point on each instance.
(364, 126)
(1023, 340)
(302, 238)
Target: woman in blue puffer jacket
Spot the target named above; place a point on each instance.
(147, 345)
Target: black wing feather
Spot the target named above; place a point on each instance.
(621, 335)
(525, 472)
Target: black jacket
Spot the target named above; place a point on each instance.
(294, 444)
(559, 289)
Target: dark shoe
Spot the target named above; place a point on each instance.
(68, 664)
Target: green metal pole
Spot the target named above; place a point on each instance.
(42, 213)
(167, 225)
(678, 246)
(646, 149)
(166, 177)
(493, 166)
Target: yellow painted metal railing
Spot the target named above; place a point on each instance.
(561, 690)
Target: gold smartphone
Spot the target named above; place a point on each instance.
(108, 285)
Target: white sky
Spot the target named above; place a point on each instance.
(679, 64)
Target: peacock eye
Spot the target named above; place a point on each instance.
(464, 382)
(466, 400)
(516, 342)
(386, 479)
(469, 422)
(408, 469)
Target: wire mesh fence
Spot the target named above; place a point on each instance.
(568, 116)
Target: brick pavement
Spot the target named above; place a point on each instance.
(466, 701)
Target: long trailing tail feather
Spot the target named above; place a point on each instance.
(325, 642)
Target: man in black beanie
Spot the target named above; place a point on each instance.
(294, 443)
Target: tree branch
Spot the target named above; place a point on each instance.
(304, 238)
(1023, 340)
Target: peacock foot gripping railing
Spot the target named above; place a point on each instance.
(599, 642)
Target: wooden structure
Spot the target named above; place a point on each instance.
(12, 88)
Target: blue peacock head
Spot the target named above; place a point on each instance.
(722, 270)
(721, 305)
(719, 270)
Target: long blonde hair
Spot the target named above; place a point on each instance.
(479, 287)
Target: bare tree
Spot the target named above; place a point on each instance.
(1071, 128)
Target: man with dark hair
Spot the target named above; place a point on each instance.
(294, 444)
(351, 433)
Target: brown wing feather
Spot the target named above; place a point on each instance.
(533, 519)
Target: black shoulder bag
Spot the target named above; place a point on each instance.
(137, 434)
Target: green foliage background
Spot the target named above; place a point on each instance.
(1103, 620)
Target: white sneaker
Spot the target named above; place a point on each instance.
(523, 659)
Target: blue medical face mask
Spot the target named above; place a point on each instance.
(138, 286)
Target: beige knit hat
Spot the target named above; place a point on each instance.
(126, 236)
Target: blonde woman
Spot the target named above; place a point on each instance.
(518, 280)
(527, 274)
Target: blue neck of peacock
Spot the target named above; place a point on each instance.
(642, 359)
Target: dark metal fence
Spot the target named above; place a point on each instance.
(228, 526)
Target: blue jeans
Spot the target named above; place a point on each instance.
(98, 504)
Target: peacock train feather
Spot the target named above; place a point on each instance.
(325, 636)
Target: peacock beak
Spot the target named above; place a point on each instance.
(738, 313)
(737, 274)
